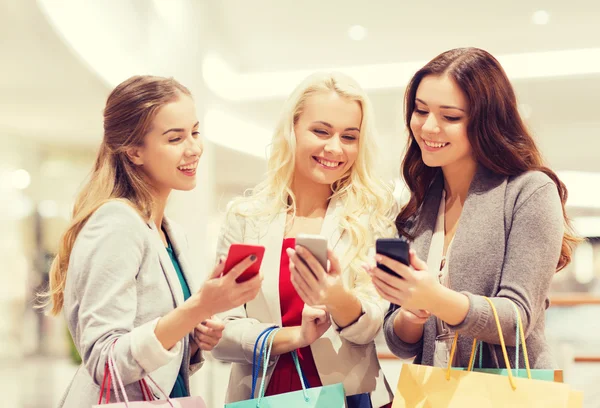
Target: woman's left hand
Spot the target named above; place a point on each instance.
(206, 335)
(413, 287)
(314, 285)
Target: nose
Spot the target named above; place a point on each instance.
(334, 145)
(431, 125)
(194, 147)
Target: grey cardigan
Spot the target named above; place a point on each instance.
(506, 247)
(120, 281)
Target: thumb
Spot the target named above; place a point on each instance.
(415, 262)
(218, 271)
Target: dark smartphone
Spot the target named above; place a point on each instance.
(395, 248)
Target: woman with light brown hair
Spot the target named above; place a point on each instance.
(485, 213)
(121, 275)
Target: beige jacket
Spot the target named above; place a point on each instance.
(341, 355)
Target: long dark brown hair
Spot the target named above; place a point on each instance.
(500, 140)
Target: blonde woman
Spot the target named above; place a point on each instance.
(320, 181)
(121, 275)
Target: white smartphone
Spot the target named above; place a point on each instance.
(316, 244)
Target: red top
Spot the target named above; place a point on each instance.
(285, 377)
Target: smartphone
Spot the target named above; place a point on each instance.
(316, 244)
(239, 252)
(395, 248)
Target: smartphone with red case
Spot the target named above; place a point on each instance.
(239, 252)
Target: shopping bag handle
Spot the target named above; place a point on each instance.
(114, 373)
(256, 362)
(265, 357)
(519, 329)
(502, 345)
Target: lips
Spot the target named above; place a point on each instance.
(329, 164)
(189, 169)
(431, 146)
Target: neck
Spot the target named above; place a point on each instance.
(160, 203)
(458, 177)
(311, 197)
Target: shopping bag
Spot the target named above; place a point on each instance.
(536, 374)
(433, 387)
(328, 396)
(111, 373)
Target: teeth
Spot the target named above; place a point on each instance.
(189, 166)
(433, 144)
(328, 163)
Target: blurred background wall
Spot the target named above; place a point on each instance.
(60, 59)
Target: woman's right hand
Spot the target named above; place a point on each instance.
(315, 322)
(221, 293)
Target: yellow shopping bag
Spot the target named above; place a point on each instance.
(432, 387)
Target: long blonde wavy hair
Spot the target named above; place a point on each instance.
(364, 194)
(130, 109)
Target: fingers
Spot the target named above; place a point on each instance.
(207, 337)
(218, 269)
(398, 267)
(215, 324)
(386, 292)
(313, 312)
(241, 267)
(312, 265)
(415, 262)
(416, 316)
(395, 282)
(301, 286)
(300, 266)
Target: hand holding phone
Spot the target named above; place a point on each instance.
(394, 248)
(237, 253)
(316, 245)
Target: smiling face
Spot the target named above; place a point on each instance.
(327, 133)
(172, 148)
(439, 122)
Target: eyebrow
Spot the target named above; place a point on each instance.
(443, 106)
(179, 129)
(345, 130)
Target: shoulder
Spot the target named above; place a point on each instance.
(116, 219)
(531, 185)
(529, 181)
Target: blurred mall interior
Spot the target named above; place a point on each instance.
(61, 58)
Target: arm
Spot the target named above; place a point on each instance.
(104, 267)
(531, 255)
(357, 312)
(403, 338)
(241, 332)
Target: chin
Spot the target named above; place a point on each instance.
(186, 187)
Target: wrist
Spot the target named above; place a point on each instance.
(339, 298)
(196, 305)
(438, 299)
(297, 337)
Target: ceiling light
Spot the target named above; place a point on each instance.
(357, 32)
(233, 85)
(21, 179)
(540, 17)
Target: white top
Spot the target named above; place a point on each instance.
(438, 263)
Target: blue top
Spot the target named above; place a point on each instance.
(179, 389)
